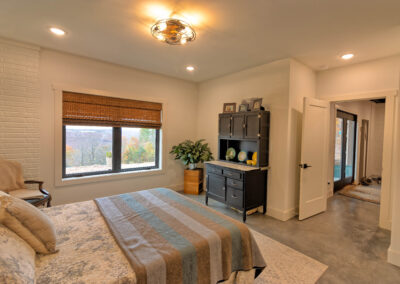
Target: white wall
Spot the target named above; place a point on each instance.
(270, 82)
(282, 85)
(302, 84)
(370, 76)
(19, 105)
(375, 151)
(394, 249)
(179, 100)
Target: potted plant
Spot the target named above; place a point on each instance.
(191, 153)
(108, 159)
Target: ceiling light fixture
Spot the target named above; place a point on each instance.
(347, 56)
(57, 31)
(173, 31)
(190, 68)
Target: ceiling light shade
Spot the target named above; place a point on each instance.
(173, 31)
(190, 68)
(57, 31)
(347, 56)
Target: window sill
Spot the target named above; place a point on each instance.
(107, 177)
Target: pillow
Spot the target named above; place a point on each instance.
(17, 258)
(11, 176)
(29, 223)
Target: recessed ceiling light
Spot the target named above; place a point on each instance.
(57, 31)
(347, 56)
(190, 68)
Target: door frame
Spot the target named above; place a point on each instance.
(388, 179)
(364, 137)
(345, 181)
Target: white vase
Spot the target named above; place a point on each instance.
(108, 161)
(192, 166)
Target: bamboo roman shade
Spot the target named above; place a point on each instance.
(83, 109)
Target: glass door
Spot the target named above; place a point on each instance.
(345, 149)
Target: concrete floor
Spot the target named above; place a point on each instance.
(346, 238)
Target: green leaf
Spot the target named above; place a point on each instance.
(192, 152)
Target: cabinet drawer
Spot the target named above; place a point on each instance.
(233, 174)
(214, 170)
(234, 183)
(216, 185)
(234, 197)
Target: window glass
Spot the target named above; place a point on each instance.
(138, 148)
(88, 149)
(338, 149)
(351, 139)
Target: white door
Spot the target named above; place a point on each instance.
(314, 158)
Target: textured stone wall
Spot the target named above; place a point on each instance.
(19, 105)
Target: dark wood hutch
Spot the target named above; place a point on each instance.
(233, 182)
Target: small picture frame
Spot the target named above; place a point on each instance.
(243, 107)
(229, 107)
(257, 104)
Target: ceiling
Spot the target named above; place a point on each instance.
(231, 35)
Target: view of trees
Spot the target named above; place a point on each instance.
(139, 150)
(88, 146)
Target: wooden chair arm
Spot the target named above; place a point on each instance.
(45, 192)
(34, 181)
(40, 183)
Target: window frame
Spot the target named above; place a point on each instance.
(116, 159)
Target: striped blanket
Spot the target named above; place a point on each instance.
(169, 238)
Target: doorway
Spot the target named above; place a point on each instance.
(387, 135)
(345, 149)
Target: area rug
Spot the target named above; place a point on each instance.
(371, 193)
(286, 265)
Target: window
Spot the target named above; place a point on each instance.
(107, 135)
(139, 148)
(91, 150)
(88, 149)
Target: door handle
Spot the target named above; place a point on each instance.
(304, 166)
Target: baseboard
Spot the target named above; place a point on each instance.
(394, 256)
(176, 187)
(282, 215)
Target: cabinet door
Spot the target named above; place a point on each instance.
(237, 126)
(252, 129)
(234, 197)
(224, 125)
(216, 186)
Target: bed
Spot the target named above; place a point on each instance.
(150, 236)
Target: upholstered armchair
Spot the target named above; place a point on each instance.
(13, 183)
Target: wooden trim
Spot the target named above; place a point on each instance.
(86, 109)
(361, 96)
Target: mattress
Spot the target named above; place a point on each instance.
(88, 251)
